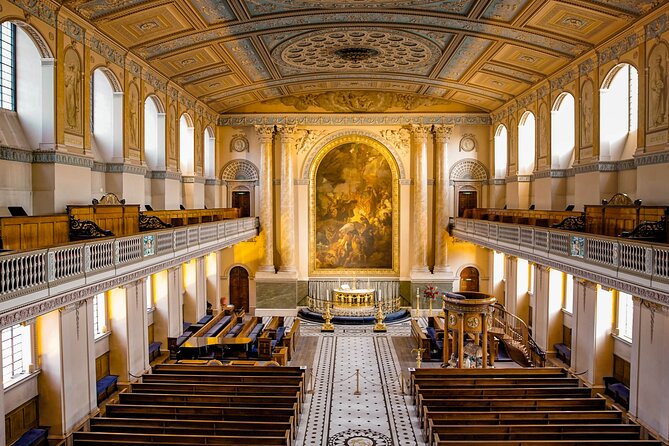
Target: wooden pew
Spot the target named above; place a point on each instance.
(291, 338)
(114, 438)
(177, 217)
(122, 219)
(23, 233)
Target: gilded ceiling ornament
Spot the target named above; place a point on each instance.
(358, 101)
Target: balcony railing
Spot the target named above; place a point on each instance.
(632, 263)
(30, 276)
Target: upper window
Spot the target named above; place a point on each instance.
(619, 113)
(526, 144)
(16, 353)
(8, 66)
(501, 149)
(562, 132)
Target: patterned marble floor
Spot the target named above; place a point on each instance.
(335, 415)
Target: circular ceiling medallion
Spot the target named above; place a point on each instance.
(359, 437)
(372, 49)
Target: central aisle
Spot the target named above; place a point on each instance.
(380, 415)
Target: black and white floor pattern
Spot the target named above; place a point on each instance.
(334, 415)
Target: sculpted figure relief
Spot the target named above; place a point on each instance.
(72, 83)
(132, 110)
(586, 114)
(657, 89)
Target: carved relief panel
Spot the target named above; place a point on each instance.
(657, 87)
(73, 104)
(586, 113)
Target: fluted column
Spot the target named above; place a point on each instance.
(442, 136)
(287, 247)
(265, 199)
(420, 134)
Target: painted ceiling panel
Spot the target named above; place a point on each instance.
(241, 54)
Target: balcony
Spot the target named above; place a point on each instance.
(33, 282)
(639, 268)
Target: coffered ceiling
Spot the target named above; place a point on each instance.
(359, 55)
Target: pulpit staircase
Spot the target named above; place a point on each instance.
(514, 333)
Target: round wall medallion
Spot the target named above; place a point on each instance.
(359, 437)
(239, 143)
(467, 143)
(373, 49)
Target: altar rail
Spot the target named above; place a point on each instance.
(390, 305)
(27, 277)
(618, 262)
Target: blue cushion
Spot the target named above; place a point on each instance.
(206, 318)
(32, 436)
(236, 329)
(154, 347)
(279, 333)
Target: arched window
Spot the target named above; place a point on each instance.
(619, 115)
(186, 145)
(107, 116)
(526, 144)
(154, 133)
(562, 132)
(209, 153)
(27, 82)
(501, 151)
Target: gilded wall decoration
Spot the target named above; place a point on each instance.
(657, 87)
(307, 139)
(73, 92)
(586, 113)
(239, 143)
(543, 131)
(400, 139)
(133, 117)
(173, 123)
(354, 208)
(358, 101)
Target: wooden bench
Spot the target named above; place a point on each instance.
(291, 338)
(35, 436)
(154, 350)
(23, 233)
(563, 353)
(106, 386)
(114, 438)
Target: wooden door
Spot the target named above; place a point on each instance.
(239, 288)
(466, 200)
(242, 199)
(469, 279)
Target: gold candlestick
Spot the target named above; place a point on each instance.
(419, 356)
(380, 326)
(327, 326)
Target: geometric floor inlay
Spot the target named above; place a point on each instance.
(357, 398)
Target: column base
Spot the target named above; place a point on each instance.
(444, 271)
(266, 269)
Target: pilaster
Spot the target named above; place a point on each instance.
(442, 137)
(419, 138)
(266, 206)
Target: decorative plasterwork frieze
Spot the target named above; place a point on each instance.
(44, 10)
(497, 182)
(618, 48)
(62, 158)
(72, 29)
(607, 281)
(354, 119)
(106, 50)
(587, 66)
(653, 158)
(18, 155)
(550, 173)
(406, 182)
(527, 99)
(562, 80)
(657, 27)
(212, 182)
(119, 168)
(165, 175)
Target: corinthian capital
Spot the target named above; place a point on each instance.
(419, 132)
(442, 133)
(264, 133)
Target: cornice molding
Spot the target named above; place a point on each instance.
(353, 119)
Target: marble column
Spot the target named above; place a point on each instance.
(287, 247)
(442, 136)
(419, 134)
(266, 201)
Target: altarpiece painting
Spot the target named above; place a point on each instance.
(354, 209)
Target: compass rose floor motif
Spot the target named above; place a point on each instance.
(357, 397)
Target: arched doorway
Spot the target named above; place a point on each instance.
(469, 279)
(467, 199)
(239, 287)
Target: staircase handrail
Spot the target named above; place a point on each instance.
(518, 330)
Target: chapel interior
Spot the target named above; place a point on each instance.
(299, 222)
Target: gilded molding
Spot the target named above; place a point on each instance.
(44, 10)
(353, 119)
